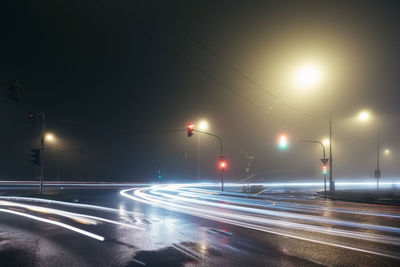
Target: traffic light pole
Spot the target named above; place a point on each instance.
(324, 160)
(221, 154)
(216, 136)
(378, 170)
(42, 136)
(222, 180)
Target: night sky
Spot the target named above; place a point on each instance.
(121, 72)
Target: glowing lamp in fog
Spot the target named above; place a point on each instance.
(325, 141)
(308, 76)
(49, 137)
(364, 116)
(203, 125)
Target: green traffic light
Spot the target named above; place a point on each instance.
(283, 142)
(283, 145)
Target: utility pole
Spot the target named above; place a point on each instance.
(331, 182)
(42, 141)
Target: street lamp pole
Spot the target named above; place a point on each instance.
(331, 182)
(324, 160)
(42, 158)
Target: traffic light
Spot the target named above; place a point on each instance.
(324, 170)
(35, 156)
(222, 164)
(283, 142)
(32, 118)
(189, 129)
(14, 90)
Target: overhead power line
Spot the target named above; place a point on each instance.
(136, 24)
(221, 59)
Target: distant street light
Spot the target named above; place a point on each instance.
(49, 137)
(325, 141)
(364, 116)
(387, 152)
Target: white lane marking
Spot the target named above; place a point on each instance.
(140, 262)
(76, 216)
(72, 228)
(197, 258)
(69, 204)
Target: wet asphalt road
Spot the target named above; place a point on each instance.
(174, 226)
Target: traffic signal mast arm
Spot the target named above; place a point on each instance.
(194, 130)
(313, 141)
(216, 136)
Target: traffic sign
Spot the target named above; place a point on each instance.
(324, 161)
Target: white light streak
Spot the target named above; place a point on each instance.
(233, 210)
(69, 227)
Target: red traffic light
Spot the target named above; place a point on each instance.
(222, 164)
(31, 117)
(189, 129)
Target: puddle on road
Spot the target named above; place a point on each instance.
(168, 257)
(175, 255)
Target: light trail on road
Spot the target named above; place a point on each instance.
(64, 225)
(24, 210)
(275, 217)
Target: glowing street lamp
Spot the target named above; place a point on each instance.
(203, 125)
(49, 137)
(325, 141)
(386, 152)
(364, 116)
(308, 76)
